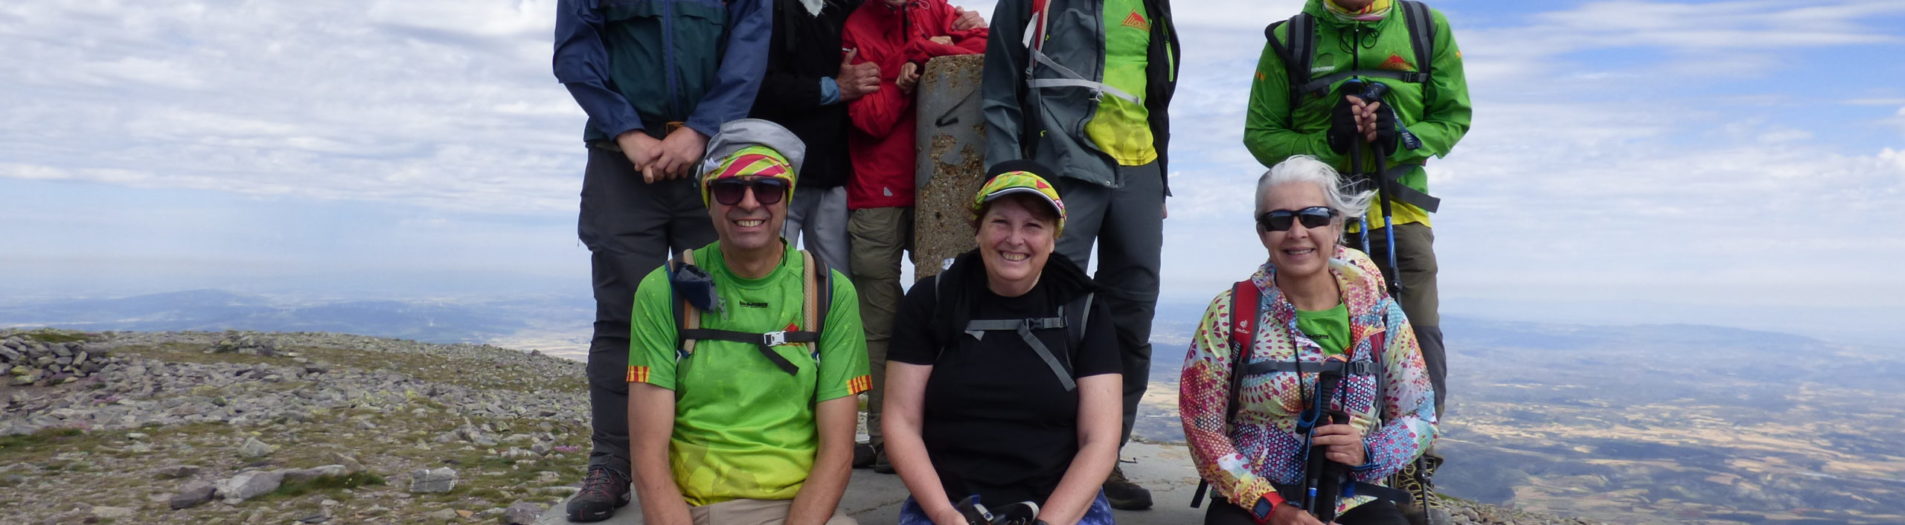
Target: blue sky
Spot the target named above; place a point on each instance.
(1734, 162)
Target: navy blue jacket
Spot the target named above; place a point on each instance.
(639, 64)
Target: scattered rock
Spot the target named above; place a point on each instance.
(194, 494)
(522, 513)
(308, 474)
(250, 484)
(442, 515)
(350, 464)
(176, 472)
(254, 449)
(111, 513)
(442, 479)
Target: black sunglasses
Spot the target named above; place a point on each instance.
(767, 190)
(1311, 217)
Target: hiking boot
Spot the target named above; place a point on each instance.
(1125, 495)
(864, 454)
(602, 492)
(1424, 506)
(881, 465)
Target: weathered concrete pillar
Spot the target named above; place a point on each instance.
(952, 160)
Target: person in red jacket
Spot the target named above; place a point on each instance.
(899, 36)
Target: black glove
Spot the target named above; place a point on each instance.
(1386, 131)
(1342, 131)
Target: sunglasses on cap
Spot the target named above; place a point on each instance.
(1311, 217)
(767, 190)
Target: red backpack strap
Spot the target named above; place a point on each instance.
(1244, 299)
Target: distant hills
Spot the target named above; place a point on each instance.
(435, 321)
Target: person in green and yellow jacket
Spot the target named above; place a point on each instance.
(1410, 50)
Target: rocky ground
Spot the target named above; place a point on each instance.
(234, 427)
(279, 428)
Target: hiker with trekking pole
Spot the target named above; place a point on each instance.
(1374, 88)
(1304, 388)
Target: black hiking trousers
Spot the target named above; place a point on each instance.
(630, 227)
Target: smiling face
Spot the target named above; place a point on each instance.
(748, 225)
(1016, 236)
(1299, 252)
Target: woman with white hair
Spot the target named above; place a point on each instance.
(1314, 323)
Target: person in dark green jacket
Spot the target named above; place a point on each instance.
(1424, 113)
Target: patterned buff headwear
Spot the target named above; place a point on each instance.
(1019, 177)
(1369, 13)
(751, 161)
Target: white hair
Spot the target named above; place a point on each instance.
(1305, 168)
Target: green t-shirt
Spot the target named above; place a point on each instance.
(1122, 129)
(1329, 328)
(743, 427)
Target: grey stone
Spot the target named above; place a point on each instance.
(253, 449)
(442, 515)
(308, 474)
(250, 484)
(10, 355)
(350, 464)
(522, 513)
(81, 358)
(111, 513)
(20, 370)
(441, 479)
(193, 495)
(62, 351)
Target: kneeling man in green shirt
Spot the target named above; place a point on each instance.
(745, 358)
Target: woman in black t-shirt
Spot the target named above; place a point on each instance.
(1003, 377)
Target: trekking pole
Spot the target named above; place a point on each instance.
(1322, 478)
(1385, 187)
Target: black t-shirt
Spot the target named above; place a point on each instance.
(997, 421)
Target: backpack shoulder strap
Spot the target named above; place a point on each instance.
(1298, 51)
(1077, 315)
(817, 292)
(1244, 299)
(1421, 34)
(687, 317)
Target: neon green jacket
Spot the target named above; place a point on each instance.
(1437, 113)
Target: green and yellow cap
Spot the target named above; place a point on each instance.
(1019, 176)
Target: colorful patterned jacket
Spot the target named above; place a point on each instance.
(1245, 460)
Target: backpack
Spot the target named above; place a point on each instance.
(817, 293)
(1245, 299)
(1300, 54)
(1073, 317)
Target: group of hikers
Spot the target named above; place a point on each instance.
(726, 365)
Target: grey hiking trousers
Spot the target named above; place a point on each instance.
(1127, 222)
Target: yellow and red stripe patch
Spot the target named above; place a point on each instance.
(638, 374)
(859, 384)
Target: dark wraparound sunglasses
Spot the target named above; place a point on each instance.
(1311, 217)
(767, 191)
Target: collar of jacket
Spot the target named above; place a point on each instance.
(1360, 285)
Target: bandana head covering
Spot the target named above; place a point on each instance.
(752, 148)
(751, 161)
(1019, 176)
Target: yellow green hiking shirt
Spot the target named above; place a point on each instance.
(1121, 128)
(744, 429)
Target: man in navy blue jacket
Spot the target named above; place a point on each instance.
(657, 78)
